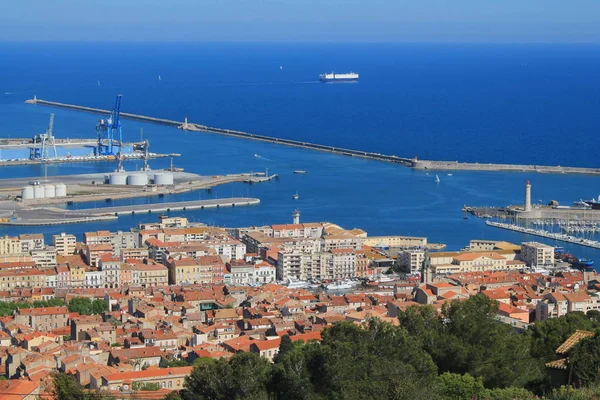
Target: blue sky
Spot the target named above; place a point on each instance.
(303, 20)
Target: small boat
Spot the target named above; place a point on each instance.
(296, 284)
(449, 174)
(159, 78)
(437, 179)
(300, 171)
(281, 67)
(340, 285)
(295, 196)
(256, 155)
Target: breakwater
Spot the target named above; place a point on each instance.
(408, 162)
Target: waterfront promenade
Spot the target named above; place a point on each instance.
(414, 163)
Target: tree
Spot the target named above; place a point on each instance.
(585, 361)
(546, 336)
(466, 338)
(244, 376)
(65, 387)
(458, 387)
(285, 346)
(85, 306)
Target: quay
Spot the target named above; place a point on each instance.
(78, 159)
(28, 143)
(549, 235)
(19, 215)
(172, 206)
(408, 162)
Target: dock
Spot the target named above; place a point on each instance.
(408, 162)
(172, 206)
(10, 214)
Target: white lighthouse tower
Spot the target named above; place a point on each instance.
(296, 216)
(527, 197)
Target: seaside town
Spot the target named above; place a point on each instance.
(131, 312)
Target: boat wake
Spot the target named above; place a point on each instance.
(261, 157)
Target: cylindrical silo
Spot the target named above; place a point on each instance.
(139, 179)
(118, 179)
(27, 193)
(38, 192)
(61, 190)
(163, 178)
(49, 191)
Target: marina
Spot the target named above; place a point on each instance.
(549, 235)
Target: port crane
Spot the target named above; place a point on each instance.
(109, 132)
(43, 143)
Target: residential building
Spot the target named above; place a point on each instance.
(31, 242)
(64, 244)
(94, 251)
(151, 274)
(111, 271)
(166, 378)
(137, 253)
(44, 258)
(536, 254)
(412, 260)
(202, 270)
(117, 240)
(43, 319)
(10, 245)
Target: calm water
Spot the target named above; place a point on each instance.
(489, 103)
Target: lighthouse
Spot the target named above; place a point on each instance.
(527, 197)
(296, 216)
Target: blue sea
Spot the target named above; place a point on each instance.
(535, 104)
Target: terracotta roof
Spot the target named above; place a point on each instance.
(149, 373)
(575, 338)
(475, 256)
(267, 344)
(558, 364)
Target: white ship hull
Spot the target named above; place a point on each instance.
(333, 77)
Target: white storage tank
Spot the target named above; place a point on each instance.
(49, 191)
(61, 190)
(118, 179)
(163, 178)
(38, 192)
(27, 193)
(139, 179)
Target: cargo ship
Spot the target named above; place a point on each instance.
(584, 265)
(333, 77)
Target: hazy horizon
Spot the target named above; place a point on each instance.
(339, 21)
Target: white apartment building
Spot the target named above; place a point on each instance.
(537, 254)
(412, 259)
(31, 242)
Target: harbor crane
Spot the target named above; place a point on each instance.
(109, 132)
(43, 143)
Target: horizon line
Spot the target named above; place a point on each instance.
(65, 41)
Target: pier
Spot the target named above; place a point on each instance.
(549, 235)
(408, 162)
